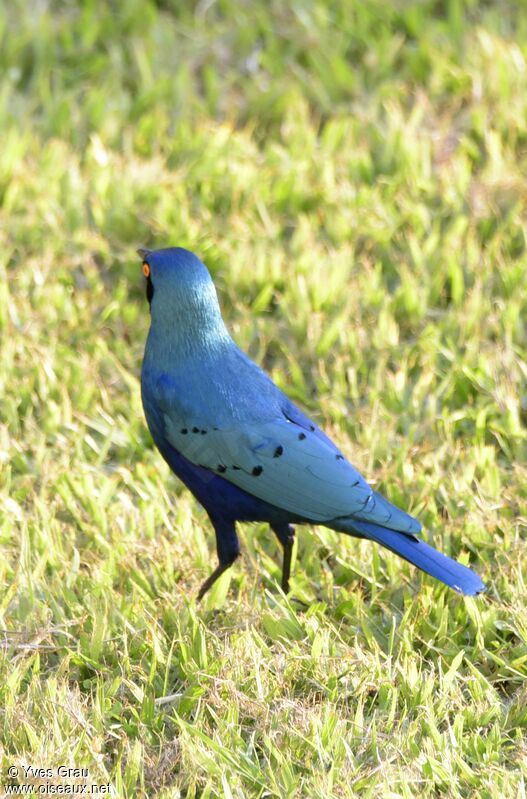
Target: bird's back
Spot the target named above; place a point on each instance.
(218, 386)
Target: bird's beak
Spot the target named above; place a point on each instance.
(143, 252)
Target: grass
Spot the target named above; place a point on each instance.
(354, 175)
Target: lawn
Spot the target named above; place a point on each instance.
(354, 174)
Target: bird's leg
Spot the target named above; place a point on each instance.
(228, 548)
(211, 579)
(286, 535)
(286, 565)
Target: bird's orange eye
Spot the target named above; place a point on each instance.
(146, 269)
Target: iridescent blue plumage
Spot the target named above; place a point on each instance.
(241, 446)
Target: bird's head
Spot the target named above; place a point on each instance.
(181, 293)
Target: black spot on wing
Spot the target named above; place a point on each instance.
(301, 436)
(369, 498)
(278, 451)
(257, 470)
(184, 431)
(221, 468)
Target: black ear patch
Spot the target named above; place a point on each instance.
(149, 289)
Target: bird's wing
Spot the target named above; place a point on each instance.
(285, 464)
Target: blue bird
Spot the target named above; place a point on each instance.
(245, 451)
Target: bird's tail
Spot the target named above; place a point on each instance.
(416, 551)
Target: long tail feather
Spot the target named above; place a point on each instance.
(425, 557)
